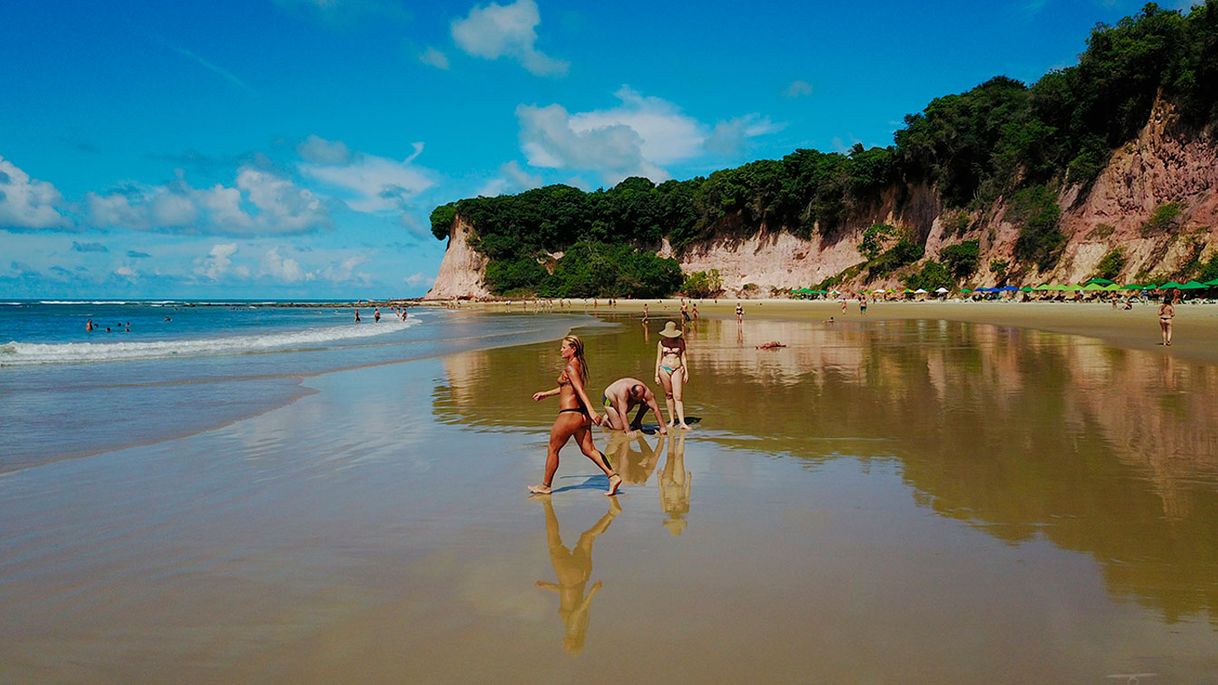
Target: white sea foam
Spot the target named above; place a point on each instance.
(23, 354)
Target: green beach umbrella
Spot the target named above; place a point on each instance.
(1193, 285)
(1026, 289)
(1171, 284)
(1131, 286)
(1112, 287)
(1101, 281)
(1042, 287)
(1213, 282)
(1091, 287)
(965, 290)
(1072, 287)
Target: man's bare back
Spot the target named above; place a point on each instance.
(624, 394)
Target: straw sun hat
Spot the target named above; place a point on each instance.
(670, 330)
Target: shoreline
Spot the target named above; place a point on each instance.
(1195, 330)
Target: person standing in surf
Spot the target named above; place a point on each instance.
(672, 371)
(575, 417)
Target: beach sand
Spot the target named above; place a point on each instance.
(889, 500)
(1194, 337)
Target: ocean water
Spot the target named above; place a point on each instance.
(173, 368)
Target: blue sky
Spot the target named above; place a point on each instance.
(295, 148)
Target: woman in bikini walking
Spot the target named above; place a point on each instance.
(672, 371)
(575, 417)
(1167, 312)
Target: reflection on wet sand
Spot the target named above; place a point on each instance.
(1020, 433)
(573, 568)
(634, 465)
(675, 483)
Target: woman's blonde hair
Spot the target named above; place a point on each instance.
(578, 345)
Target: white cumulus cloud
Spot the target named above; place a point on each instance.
(638, 137)
(27, 202)
(218, 261)
(286, 269)
(260, 203)
(510, 31)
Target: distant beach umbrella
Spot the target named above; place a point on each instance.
(920, 291)
(1212, 283)
(941, 290)
(1091, 287)
(1112, 287)
(1193, 285)
(1009, 289)
(1171, 284)
(1026, 288)
(1101, 281)
(1072, 287)
(1043, 287)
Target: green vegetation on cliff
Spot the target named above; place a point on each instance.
(1002, 139)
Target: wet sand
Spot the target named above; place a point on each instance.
(886, 500)
(1196, 325)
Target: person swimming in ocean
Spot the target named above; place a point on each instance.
(357, 315)
(575, 418)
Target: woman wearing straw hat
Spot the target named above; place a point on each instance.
(672, 370)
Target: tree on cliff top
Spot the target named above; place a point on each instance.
(1000, 138)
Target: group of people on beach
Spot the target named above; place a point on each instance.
(577, 414)
(398, 313)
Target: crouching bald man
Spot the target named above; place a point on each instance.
(621, 396)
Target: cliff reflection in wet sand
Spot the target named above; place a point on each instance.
(1021, 434)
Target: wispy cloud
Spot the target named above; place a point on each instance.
(798, 89)
(434, 58)
(206, 64)
(89, 247)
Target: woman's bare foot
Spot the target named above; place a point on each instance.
(686, 427)
(615, 482)
(539, 489)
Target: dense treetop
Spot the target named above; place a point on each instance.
(1000, 138)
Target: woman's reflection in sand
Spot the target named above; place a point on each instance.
(675, 485)
(573, 568)
(635, 466)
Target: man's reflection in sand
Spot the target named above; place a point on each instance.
(675, 485)
(573, 568)
(635, 466)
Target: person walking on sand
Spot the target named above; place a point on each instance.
(624, 394)
(672, 371)
(575, 417)
(1167, 312)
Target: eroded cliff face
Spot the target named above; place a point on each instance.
(462, 268)
(1165, 163)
